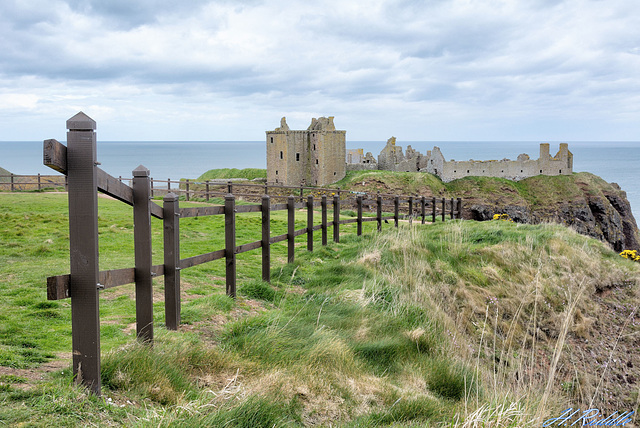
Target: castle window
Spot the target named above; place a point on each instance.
(520, 170)
(454, 170)
(316, 161)
(560, 172)
(276, 172)
(467, 171)
(540, 171)
(298, 157)
(281, 157)
(271, 140)
(314, 147)
(503, 170)
(334, 173)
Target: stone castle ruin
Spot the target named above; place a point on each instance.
(313, 157)
(318, 156)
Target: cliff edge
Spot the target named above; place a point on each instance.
(582, 201)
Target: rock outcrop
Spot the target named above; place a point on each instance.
(584, 202)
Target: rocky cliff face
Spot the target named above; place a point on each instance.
(585, 202)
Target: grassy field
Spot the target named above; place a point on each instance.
(449, 324)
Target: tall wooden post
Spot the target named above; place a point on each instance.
(168, 184)
(186, 198)
(324, 219)
(83, 242)
(336, 218)
(291, 217)
(142, 244)
(266, 236)
(359, 206)
(301, 193)
(310, 222)
(410, 209)
(12, 183)
(379, 212)
(423, 204)
(151, 180)
(459, 207)
(444, 208)
(396, 210)
(229, 186)
(171, 226)
(207, 190)
(39, 183)
(230, 243)
(452, 210)
(433, 209)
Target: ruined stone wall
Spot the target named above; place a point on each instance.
(561, 164)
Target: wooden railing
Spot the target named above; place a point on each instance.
(77, 161)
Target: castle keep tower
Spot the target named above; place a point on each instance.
(314, 157)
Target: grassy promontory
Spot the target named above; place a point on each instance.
(449, 324)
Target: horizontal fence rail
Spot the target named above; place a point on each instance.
(83, 179)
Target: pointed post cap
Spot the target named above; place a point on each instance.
(170, 197)
(140, 171)
(81, 122)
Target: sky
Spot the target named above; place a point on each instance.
(433, 70)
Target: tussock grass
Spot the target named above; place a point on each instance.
(451, 324)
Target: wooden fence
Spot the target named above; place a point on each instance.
(77, 161)
(18, 183)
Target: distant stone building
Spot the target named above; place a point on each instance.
(318, 157)
(313, 157)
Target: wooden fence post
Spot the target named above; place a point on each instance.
(230, 243)
(291, 217)
(324, 219)
(207, 190)
(266, 236)
(433, 209)
(310, 222)
(423, 204)
(151, 180)
(83, 244)
(142, 245)
(301, 193)
(171, 226)
(336, 218)
(444, 208)
(168, 184)
(229, 186)
(459, 207)
(396, 209)
(379, 212)
(39, 183)
(451, 215)
(410, 209)
(359, 206)
(12, 183)
(186, 198)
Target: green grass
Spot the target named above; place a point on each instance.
(385, 329)
(222, 173)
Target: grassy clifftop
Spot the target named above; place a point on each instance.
(582, 200)
(4, 172)
(450, 324)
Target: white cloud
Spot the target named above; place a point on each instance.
(456, 69)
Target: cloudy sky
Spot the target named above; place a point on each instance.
(228, 70)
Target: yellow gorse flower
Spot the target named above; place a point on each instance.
(503, 217)
(631, 255)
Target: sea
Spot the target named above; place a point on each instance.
(614, 161)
